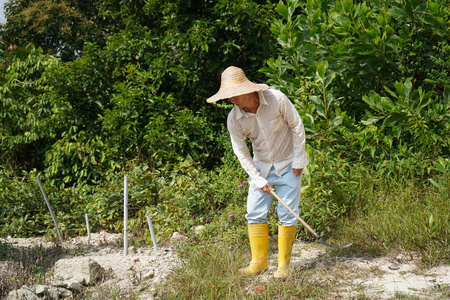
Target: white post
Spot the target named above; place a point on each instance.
(152, 231)
(49, 208)
(87, 227)
(125, 216)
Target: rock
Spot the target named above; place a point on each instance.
(178, 237)
(132, 250)
(149, 274)
(198, 229)
(72, 284)
(105, 251)
(58, 293)
(40, 289)
(394, 267)
(84, 270)
(24, 293)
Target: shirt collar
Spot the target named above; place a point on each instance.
(262, 102)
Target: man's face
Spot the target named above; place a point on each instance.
(240, 101)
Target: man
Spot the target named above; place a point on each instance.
(270, 121)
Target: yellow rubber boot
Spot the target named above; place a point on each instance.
(286, 236)
(258, 235)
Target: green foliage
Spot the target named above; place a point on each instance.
(369, 80)
(22, 208)
(58, 27)
(412, 116)
(196, 196)
(28, 116)
(328, 191)
(368, 46)
(136, 93)
(343, 63)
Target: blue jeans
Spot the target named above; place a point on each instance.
(288, 187)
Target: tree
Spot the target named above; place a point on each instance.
(58, 27)
(140, 93)
(28, 118)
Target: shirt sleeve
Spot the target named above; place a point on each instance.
(291, 116)
(243, 154)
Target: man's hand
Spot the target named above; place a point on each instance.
(267, 189)
(297, 172)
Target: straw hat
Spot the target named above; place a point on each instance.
(235, 83)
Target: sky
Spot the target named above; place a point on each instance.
(2, 16)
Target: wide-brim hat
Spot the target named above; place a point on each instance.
(234, 83)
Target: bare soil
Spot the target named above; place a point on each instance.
(387, 277)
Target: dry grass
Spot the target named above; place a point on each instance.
(25, 265)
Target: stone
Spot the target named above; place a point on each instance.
(24, 293)
(72, 284)
(178, 236)
(40, 289)
(149, 274)
(132, 250)
(394, 267)
(83, 270)
(199, 229)
(56, 293)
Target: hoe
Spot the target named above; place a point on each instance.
(320, 239)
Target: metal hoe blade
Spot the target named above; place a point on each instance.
(323, 242)
(320, 239)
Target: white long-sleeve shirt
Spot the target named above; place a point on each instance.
(277, 135)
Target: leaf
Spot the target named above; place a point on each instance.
(394, 119)
(369, 99)
(282, 10)
(320, 110)
(434, 183)
(374, 32)
(313, 30)
(322, 68)
(447, 95)
(316, 100)
(330, 78)
(337, 121)
(441, 165)
(407, 87)
(391, 92)
(310, 47)
(396, 13)
(370, 119)
(316, 15)
(386, 103)
(433, 6)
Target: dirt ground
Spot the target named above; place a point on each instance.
(373, 278)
